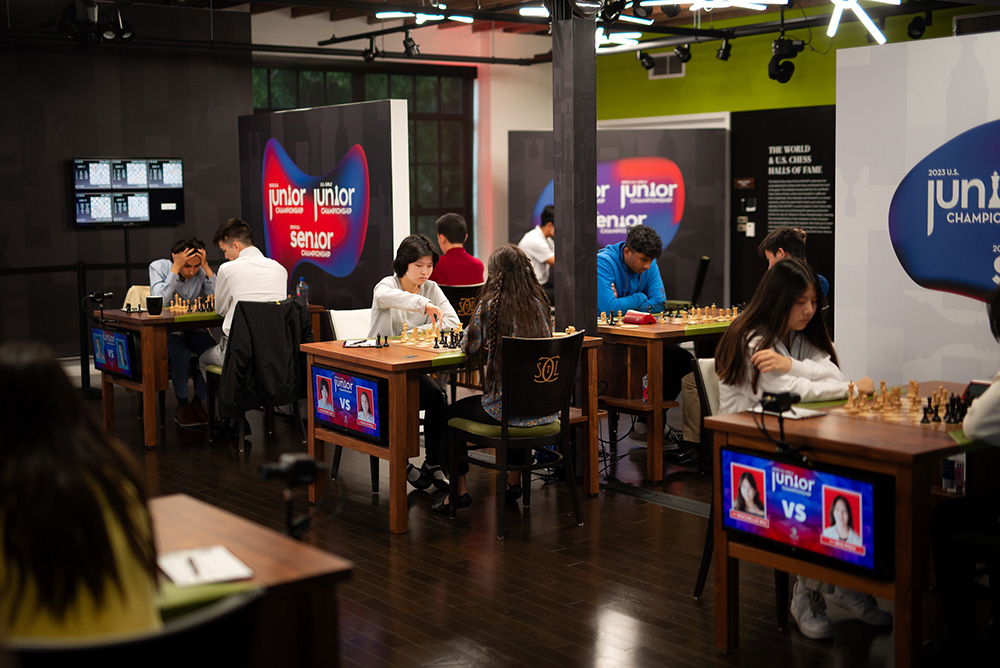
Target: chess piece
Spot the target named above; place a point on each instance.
(570, 329)
(436, 342)
(926, 420)
(937, 416)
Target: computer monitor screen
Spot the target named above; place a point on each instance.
(127, 191)
(350, 403)
(115, 352)
(834, 515)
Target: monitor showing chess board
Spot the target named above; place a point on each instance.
(823, 514)
(351, 403)
(127, 191)
(116, 352)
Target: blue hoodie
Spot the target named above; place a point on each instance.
(642, 292)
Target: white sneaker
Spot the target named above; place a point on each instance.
(862, 606)
(809, 612)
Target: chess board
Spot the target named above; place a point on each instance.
(897, 415)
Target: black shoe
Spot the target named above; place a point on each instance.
(513, 493)
(442, 508)
(418, 477)
(685, 458)
(438, 477)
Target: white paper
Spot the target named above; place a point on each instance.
(792, 413)
(203, 565)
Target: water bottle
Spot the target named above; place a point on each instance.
(302, 289)
(645, 396)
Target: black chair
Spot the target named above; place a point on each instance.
(264, 366)
(538, 379)
(463, 299)
(217, 635)
(707, 382)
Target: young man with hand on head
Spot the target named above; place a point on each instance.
(248, 276)
(455, 266)
(187, 276)
(539, 245)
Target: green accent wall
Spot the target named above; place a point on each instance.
(741, 83)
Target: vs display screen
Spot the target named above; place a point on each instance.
(350, 403)
(125, 191)
(115, 352)
(825, 515)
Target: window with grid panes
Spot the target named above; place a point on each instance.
(439, 107)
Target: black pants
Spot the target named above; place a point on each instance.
(954, 566)
(676, 365)
(432, 403)
(471, 408)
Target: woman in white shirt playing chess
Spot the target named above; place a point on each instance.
(780, 344)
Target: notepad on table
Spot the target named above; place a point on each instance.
(203, 565)
(792, 413)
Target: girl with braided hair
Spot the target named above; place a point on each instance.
(512, 303)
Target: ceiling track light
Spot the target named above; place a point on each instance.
(409, 46)
(781, 67)
(639, 10)
(724, 50)
(645, 60)
(371, 52)
(918, 25)
(683, 53)
(671, 11)
(611, 11)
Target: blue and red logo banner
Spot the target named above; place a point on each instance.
(944, 218)
(321, 220)
(646, 190)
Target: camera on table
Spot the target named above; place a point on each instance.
(780, 402)
(294, 468)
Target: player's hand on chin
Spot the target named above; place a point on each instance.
(768, 360)
(866, 385)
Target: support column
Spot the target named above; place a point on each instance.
(574, 123)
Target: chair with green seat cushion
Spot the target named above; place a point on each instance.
(538, 379)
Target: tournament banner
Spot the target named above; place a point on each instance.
(647, 190)
(320, 220)
(673, 181)
(944, 218)
(819, 511)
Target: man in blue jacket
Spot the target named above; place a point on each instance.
(628, 278)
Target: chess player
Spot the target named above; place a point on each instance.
(954, 564)
(539, 244)
(247, 276)
(780, 344)
(185, 275)
(455, 266)
(785, 242)
(409, 298)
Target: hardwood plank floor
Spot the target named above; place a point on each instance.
(614, 592)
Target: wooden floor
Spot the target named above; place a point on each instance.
(614, 592)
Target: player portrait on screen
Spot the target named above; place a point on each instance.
(99, 348)
(122, 356)
(323, 393)
(749, 494)
(365, 414)
(842, 519)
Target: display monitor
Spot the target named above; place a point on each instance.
(350, 403)
(127, 191)
(823, 514)
(116, 352)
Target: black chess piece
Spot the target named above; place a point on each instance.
(926, 419)
(937, 417)
(436, 342)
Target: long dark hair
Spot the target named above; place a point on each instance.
(511, 295)
(741, 504)
(767, 317)
(850, 513)
(60, 474)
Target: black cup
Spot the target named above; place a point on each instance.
(154, 305)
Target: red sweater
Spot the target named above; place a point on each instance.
(456, 267)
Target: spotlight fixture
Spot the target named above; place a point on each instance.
(784, 50)
(117, 28)
(641, 11)
(671, 11)
(683, 53)
(409, 46)
(371, 52)
(645, 59)
(611, 11)
(918, 25)
(724, 50)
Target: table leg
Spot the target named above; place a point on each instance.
(591, 484)
(654, 397)
(108, 401)
(154, 378)
(315, 447)
(404, 434)
(727, 570)
(911, 565)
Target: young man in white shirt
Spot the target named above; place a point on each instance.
(539, 245)
(248, 276)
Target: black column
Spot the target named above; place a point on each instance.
(574, 123)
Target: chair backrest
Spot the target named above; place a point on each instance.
(699, 279)
(463, 299)
(218, 634)
(352, 324)
(708, 385)
(539, 374)
(136, 296)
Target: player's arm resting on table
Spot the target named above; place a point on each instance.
(609, 293)
(982, 421)
(651, 285)
(825, 381)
